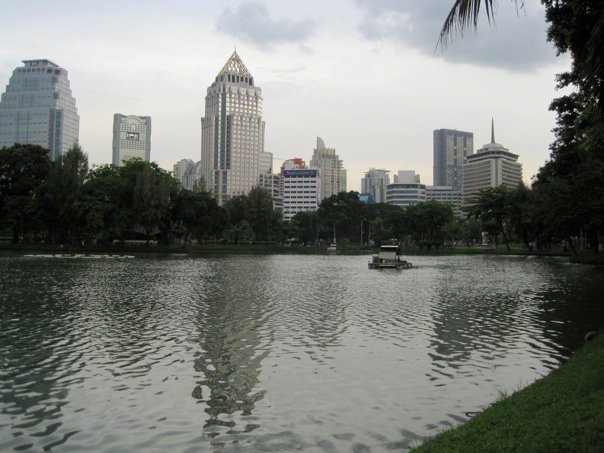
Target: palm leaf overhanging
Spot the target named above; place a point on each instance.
(464, 15)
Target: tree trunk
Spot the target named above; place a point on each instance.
(505, 241)
(15, 235)
(572, 247)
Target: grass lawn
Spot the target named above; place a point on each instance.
(562, 412)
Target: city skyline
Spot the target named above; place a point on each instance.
(349, 71)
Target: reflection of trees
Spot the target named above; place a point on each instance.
(36, 337)
(230, 337)
(543, 307)
(479, 313)
(573, 305)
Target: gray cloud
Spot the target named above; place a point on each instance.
(252, 21)
(517, 40)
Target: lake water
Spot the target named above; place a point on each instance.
(274, 353)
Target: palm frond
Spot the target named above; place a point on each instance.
(464, 15)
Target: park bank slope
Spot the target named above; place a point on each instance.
(563, 411)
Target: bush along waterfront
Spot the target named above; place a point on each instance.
(560, 412)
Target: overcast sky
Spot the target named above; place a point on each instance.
(362, 74)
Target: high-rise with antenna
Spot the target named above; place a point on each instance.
(493, 165)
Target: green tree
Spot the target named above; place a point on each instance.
(344, 212)
(260, 214)
(199, 213)
(521, 214)
(490, 206)
(428, 220)
(471, 231)
(64, 199)
(241, 232)
(305, 226)
(151, 197)
(236, 209)
(380, 231)
(23, 169)
(398, 221)
(110, 197)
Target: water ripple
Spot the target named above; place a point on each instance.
(274, 353)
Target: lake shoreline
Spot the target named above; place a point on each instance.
(259, 248)
(559, 412)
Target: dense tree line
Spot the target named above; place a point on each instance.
(66, 202)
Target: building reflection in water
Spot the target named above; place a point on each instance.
(233, 344)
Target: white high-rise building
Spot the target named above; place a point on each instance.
(492, 166)
(232, 132)
(301, 189)
(374, 183)
(333, 174)
(38, 108)
(131, 138)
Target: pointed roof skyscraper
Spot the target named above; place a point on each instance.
(232, 137)
(235, 66)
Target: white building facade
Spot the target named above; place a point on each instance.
(131, 138)
(232, 132)
(301, 191)
(331, 169)
(446, 195)
(38, 108)
(405, 195)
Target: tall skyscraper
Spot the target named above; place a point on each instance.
(131, 138)
(38, 108)
(331, 169)
(374, 183)
(450, 149)
(232, 132)
(493, 165)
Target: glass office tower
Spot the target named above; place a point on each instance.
(38, 108)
